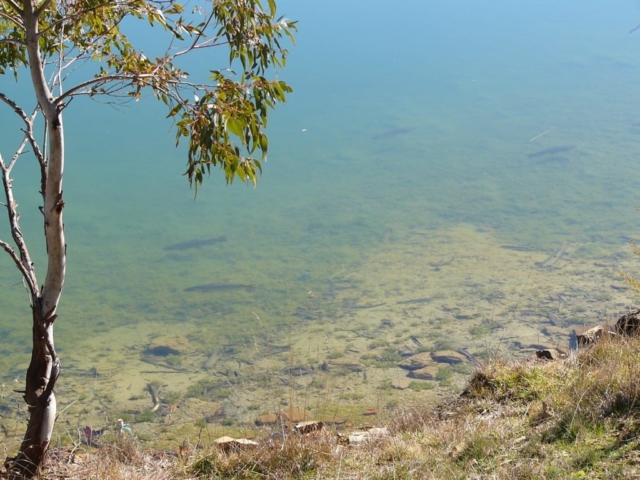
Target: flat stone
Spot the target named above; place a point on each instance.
(589, 336)
(407, 350)
(358, 438)
(417, 361)
(335, 421)
(549, 354)
(228, 444)
(266, 419)
(304, 428)
(400, 383)
(426, 373)
(448, 356)
(345, 364)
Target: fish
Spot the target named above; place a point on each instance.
(414, 300)
(370, 305)
(551, 151)
(518, 248)
(195, 243)
(275, 349)
(219, 287)
(393, 133)
(159, 362)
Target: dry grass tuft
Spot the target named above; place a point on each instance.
(119, 458)
(279, 457)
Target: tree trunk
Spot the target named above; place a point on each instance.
(42, 374)
(44, 367)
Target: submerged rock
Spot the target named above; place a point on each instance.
(165, 346)
(407, 350)
(291, 415)
(346, 364)
(417, 361)
(426, 373)
(448, 356)
(266, 420)
(400, 383)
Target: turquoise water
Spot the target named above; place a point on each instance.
(406, 120)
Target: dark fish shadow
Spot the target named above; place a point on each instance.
(191, 244)
(394, 132)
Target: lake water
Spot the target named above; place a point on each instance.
(447, 176)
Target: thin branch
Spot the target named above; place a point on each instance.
(34, 144)
(198, 36)
(15, 6)
(38, 11)
(23, 262)
(7, 248)
(209, 43)
(129, 77)
(29, 135)
(14, 19)
(15, 157)
(16, 108)
(28, 121)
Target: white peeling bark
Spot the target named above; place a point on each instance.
(44, 366)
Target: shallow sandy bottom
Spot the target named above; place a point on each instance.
(458, 289)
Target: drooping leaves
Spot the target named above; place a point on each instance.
(226, 121)
(225, 128)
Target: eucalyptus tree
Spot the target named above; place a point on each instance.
(87, 48)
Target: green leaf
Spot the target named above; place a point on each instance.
(235, 126)
(174, 110)
(264, 145)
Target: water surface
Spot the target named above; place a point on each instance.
(405, 195)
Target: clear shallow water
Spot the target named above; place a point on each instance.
(418, 119)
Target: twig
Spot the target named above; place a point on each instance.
(154, 397)
(65, 408)
(543, 133)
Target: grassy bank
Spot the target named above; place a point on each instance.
(572, 418)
